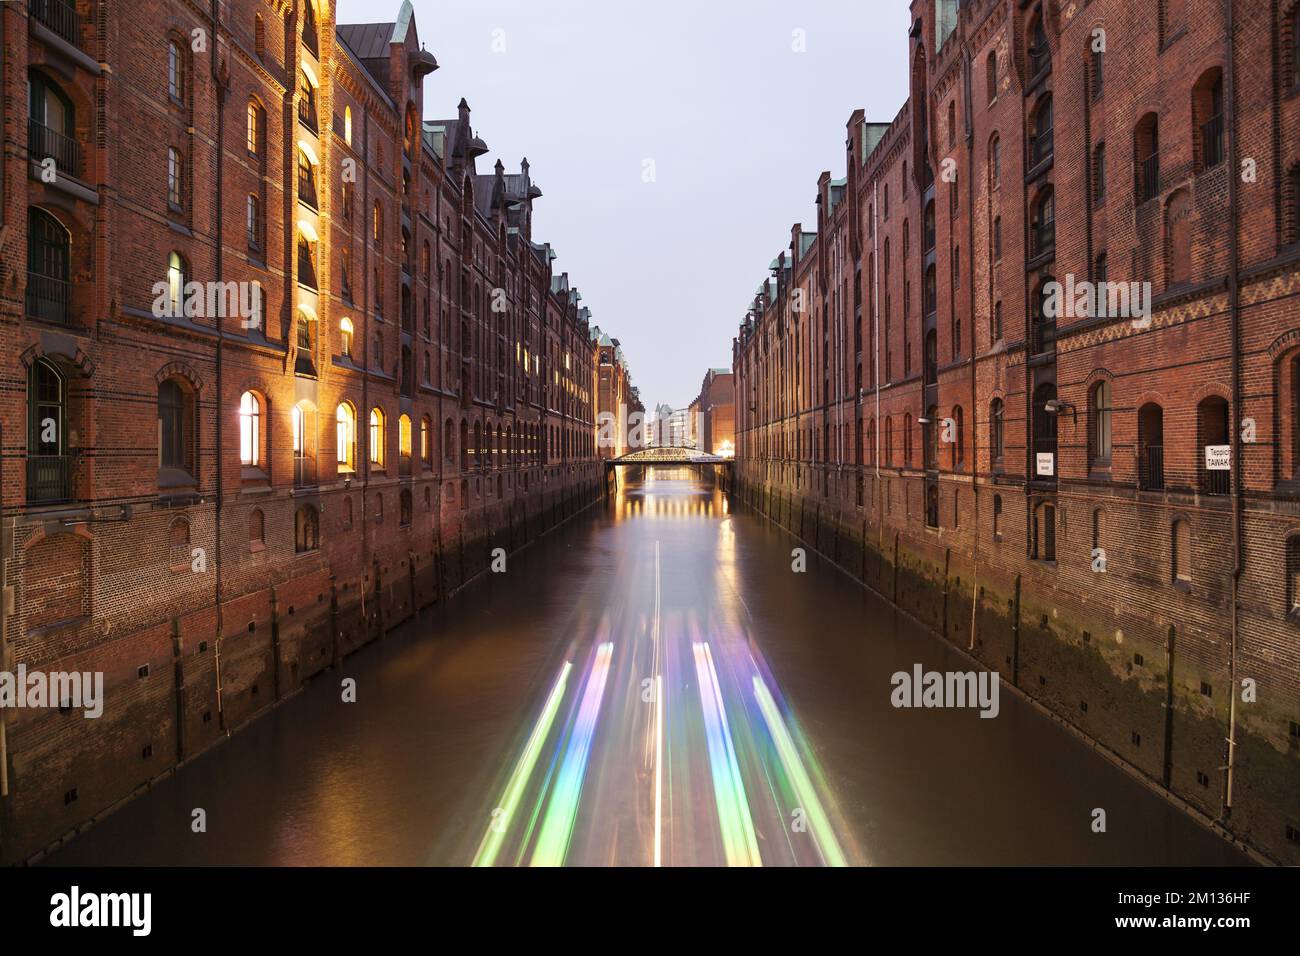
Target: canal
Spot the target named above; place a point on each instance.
(651, 683)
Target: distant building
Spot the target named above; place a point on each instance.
(615, 396)
(712, 416)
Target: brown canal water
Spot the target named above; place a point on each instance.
(651, 683)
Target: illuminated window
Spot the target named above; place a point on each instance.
(345, 336)
(347, 125)
(250, 429)
(254, 135)
(377, 437)
(404, 436)
(177, 276)
(345, 436)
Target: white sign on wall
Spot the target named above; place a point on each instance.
(1218, 458)
(1046, 466)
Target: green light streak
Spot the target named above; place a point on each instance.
(794, 768)
(496, 832)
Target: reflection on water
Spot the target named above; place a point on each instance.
(650, 685)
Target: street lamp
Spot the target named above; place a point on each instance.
(1054, 406)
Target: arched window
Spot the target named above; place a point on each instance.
(306, 529)
(306, 180)
(1181, 551)
(175, 424)
(250, 430)
(256, 531)
(305, 356)
(997, 430)
(306, 101)
(346, 330)
(49, 253)
(309, 34)
(49, 477)
(178, 277)
(478, 445)
(176, 68)
(907, 440)
(929, 234)
(1146, 157)
(1151, 447)
(889, 441)
(1100, 412)
(448, 440)
(464, 445)
(1040, 53)
(175, 179)
(404, 508)
(1043, 222)
(404, 435)
(255, 129)
(377, 223)
(995, 161)
(426, 441)
(952, 123)
(1213, 441)
(991, 76)
(1207, 115)
(345, 440)
(377, 437)
(347, 125)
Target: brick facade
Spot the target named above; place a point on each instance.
(227, 504)
(907, 402)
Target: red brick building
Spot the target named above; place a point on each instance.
(617, 399)
(208, 504)
(1099, 503)
(713, 413)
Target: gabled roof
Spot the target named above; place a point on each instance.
(369, 41)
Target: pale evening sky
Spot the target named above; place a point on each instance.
(737, 123)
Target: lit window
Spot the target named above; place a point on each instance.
(345, 335)
(250, 429)
(346, 436)
(347, 125)
(404, 436)
(176, 279)
(254, 139)
(377, 437)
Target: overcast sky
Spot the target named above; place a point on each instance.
(738, 126)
